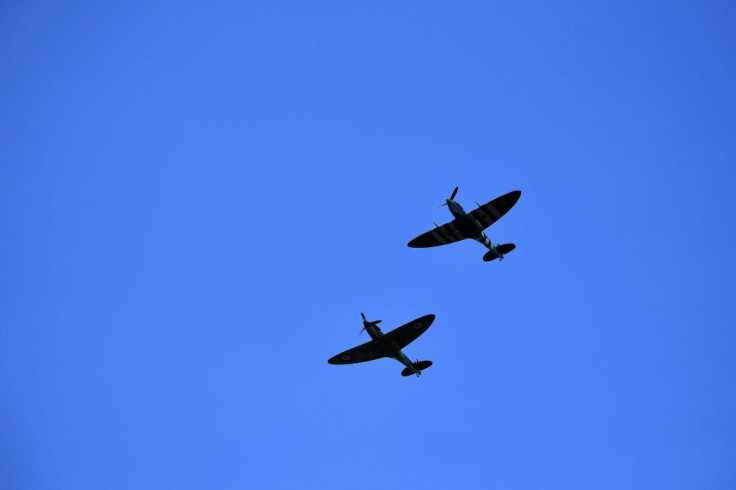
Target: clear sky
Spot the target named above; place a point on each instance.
(198, 199)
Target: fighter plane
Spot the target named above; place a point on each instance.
(388, 345)
(471, 225)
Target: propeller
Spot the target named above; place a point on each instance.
(366, 323)
(451, 197)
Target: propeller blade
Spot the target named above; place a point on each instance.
(453, 193)
(374, 322)
(366, 323)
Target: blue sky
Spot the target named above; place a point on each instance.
(198, 200)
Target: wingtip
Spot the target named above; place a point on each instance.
(513, 196)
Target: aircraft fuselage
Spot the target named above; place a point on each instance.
(390, 349)
(459, 213)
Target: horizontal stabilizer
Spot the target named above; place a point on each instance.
(503, 249)
(420, 365)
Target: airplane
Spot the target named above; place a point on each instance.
(470, 225)
(388, 345)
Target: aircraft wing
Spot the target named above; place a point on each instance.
(441, 235)
(406, 334)
(362, 353)
(487, 214)
(469, 226)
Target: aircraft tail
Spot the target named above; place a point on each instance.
(420, 365)
(502, 249)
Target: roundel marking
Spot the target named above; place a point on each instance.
(417, 325)
(345, 357)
